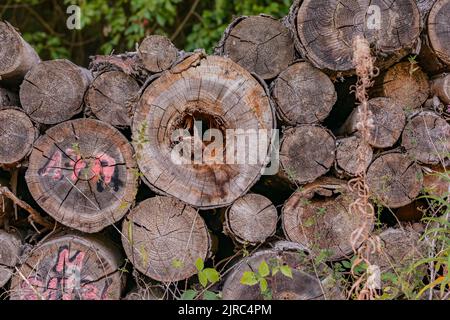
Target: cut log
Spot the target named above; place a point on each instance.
(318, 217)
(303, 94)
(17, 57)
(388, 121)
(353, 156)
(83, 174)
(111, 97)
(163, 238)
(426, 138)
(251, 219)
(53, 91)
(307, 152)
(260, 44)
(17, 135)
(181, 160)
(394, 179)
(304, 284)
(70, 267)
(405, 83)
(10, 250)
(8, 98)
(440, 86)
(436, 181)
(157, 53)
(325, 30)
(438, 31)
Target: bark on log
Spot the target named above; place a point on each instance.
(405, 83)
(111, 98)
(157, 53)
(70, 267)
(17, 135)
(304, 284)
(394, 179)
(303, 94)
(53, 91)
(426, 138)
(301, 158)
(440, 87)
(438, 32)
(10, 250)
(17, 57)
(388, 121)
(83, 174)
(260, 44)
(163, 238)
(220, 94)
(8, 98)
(318, 217)
(325, 30)
(251, 219)
(353, 156)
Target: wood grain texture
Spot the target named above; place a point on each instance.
(440, 86)
(439, 31)
(353, 156)
(157, 53)
(10, 251)
(163, 238)
(83, 174)
(222, 95)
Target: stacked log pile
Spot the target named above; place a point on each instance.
(94, 183)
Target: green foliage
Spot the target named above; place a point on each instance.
(206, 275)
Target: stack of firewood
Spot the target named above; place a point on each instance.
(91, 196)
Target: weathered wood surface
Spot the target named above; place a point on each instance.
(70, 267)
(83, 174)
(17, 135)
(440, 86)
(438, 32)
(261, 44)
(220, 94)
(111, 98)
(303, 94)
(251, 219)
(10, 251)
(17, 57)
(163, 238)
(353, 156)
(318, 217)
(8, 98)
(53, 91)
(157, 53)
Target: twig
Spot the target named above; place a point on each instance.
(185, 20)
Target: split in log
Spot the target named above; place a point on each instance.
(318, 217)
(17, 57)
(10, 250)
(353, 156)
(164, 237)
(426, 138)
(438, 31)
(157, 53)
(405, 83)
(8, 98)
(17, 135)
(305, 284)
(53, 91)
(394, 180)
(70, 267)
(325, 30)
(387, 122)
(440, 87)
(303, 94)
(260, 44)
(180, 160)
(251, 219)
(83, 174)
(111, 97)
(307, 152)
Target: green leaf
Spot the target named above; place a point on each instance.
(202, 278)
(275, 270)
(263, 285)
(346, 264)
(212, 274)
(286, 271)
(188, 295)
(209, 295)
(177, 263)
(249, 278)
(263, 269)
(199, 264)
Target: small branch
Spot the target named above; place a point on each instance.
(34, 215)
(185, 20)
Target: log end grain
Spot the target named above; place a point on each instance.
(157, 53)
(353, 156)
(438, 30)
(10, 250)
